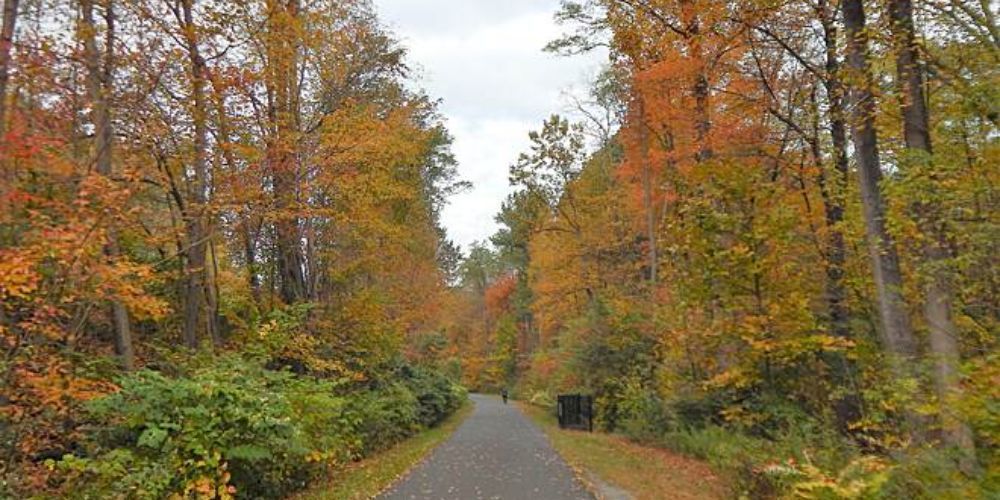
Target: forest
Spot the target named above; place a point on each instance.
(219, 240)
(766, 238)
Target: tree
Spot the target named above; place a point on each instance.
(556, 157)
(938, 296)
(196, 209)
(100, 86)
(6, 44)
(284, 115)
(259, 174)
(897, 332)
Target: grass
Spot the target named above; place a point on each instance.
(369, 477)
(641, 471)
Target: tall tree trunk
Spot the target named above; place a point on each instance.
(937, 290)
(647, 189)
(833, 189)
(289, 240)
(195, 303)
(703, 126)
(6, 43)
(910, 79)
(250, 254)
(212, 294)
(897, 333)
(283, 72)
(99, 85)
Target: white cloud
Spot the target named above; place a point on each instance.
(484, 59)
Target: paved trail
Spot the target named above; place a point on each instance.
(497, 453)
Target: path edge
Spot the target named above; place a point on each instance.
(468, 408)
(597, 487)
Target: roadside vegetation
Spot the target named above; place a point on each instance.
(368, 477)
(237, 427)
(222, 268)
(643, 472)
(229, 425)
(767, 238)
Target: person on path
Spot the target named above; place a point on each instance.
(503, 394)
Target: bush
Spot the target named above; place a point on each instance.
(543, 399)
(642, 415)
(415, 399)
(236, 428)
(436, 395)
(748, 460)
(935, 474)
(391, 414)
(232, 427)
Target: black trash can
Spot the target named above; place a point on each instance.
(575, 411)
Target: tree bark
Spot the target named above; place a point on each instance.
(647, 190)
(195, 303)
(896, 330)
(702, 88)
(283, 74)
(910, 79)
(937, 289)
(6, 43)
(250, 254)
(99, 86)
(212, 294)
(833, 188)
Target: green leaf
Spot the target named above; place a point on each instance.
(153, 437)
(248, 452)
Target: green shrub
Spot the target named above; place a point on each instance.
(748, 460)
(737, 455)
(415, 399)
(231, 427)
(436, 394)
(862, 478)
(642, 415)
(934, 474)
(390, 415)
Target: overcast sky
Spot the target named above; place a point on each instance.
(484, 59)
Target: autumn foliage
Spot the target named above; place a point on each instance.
(765, 263)
(194, 193)
(770, 242)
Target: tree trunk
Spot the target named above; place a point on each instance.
(937, 290)
(836, 185)
(647, 190)
(283, 72)
(99, 87)
(250, 254)
(701, 89)
(290, 258)
(897, 333)
(6, 43)
(833, 189)
(910, 79)
(195, 303)
(212, 294)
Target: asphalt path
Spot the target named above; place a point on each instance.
(497, 453)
